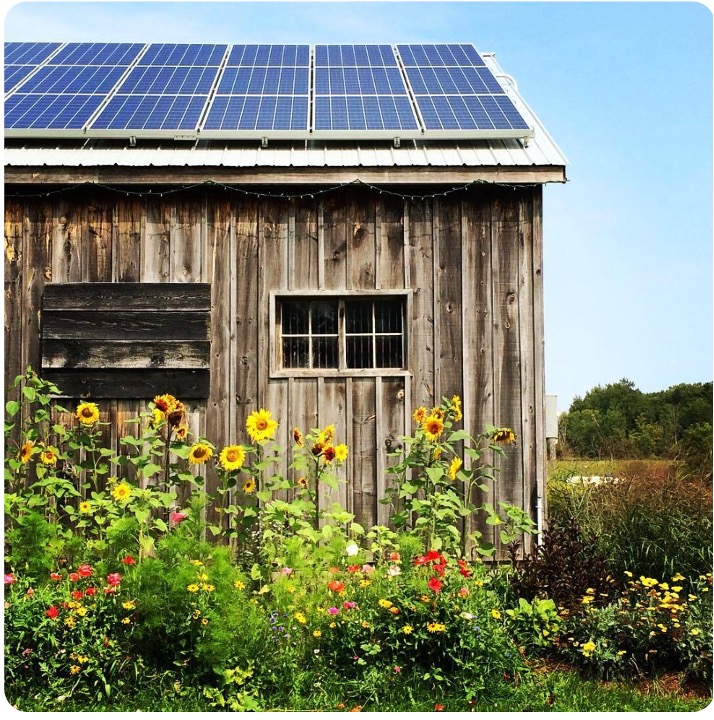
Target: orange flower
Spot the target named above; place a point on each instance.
(336, 586)
(433, 426)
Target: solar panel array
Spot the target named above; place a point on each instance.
(276, 91)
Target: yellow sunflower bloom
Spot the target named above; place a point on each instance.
(260, 425)
(341, 452)
(121, 492)
(232, 457)
(455, 466)
(48, 456)
(165, 403)
(249, 486)
(199, 453)
(297, 436)
(85, 507)
(504, 436)
(26, 452)
(432, 426)
(181, 432)
(419, 415)
(87, 413)
(326, 436)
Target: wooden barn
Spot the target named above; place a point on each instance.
(375, 251)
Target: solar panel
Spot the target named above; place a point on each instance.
(72, 84)
(457, 94)
(165, 92)
(263, 89)
(22, 58)
(360, 89)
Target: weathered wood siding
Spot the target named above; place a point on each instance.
(472, 261)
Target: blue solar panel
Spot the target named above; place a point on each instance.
(61, 79)
(192, 55)
(354, 56)
(455, 91)
(28, 53)
(262, 88)
(122, 54)
(50, 112)
(15, 74)
(169, 80)
(374, 112)
(151, 112)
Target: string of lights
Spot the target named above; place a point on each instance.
(261, 194)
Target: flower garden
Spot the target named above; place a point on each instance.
(127, 586)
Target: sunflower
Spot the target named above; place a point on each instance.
(456, 408)
(455, 466)
(232, 457)
(85, 507)
(341, 452)
(156, 417)
(260, 425)
(503, 436)
(249, 486)
(48, 456)
(419, 415)
(297, 436)
(87, 413)
(199, 453)
(437, 412)
(329, 453)
(121, 492)
(433, 426)
(165, 403)
(302, 482)
(327, 435)
(26, 452)
(181, 432)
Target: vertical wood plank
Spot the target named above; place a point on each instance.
(393, 424)
(128, 242)
(334, 241)
(96, 239)
(66, 242)
(391, 243)
(157, 238)
(333, 412)
(363, 467)
(361, 258)
(306, 252)
(14, 281)
(421, 272)
(186, 242)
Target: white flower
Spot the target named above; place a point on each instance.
(352, 549)
(394, 570)
(466, 616)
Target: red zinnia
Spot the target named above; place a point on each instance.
(420, 560)
(353, 568)
(52, 612)
(432, 555)
(438, 707)
(435, 584)
(84, 570)
(76, 594)
(114, 578)
(128, 560)
(336, 586)
(74, 577)
(464, 568)
(55, 576)
(90, 591)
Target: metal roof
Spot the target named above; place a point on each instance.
(539, 152)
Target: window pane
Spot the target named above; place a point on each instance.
(324, 352)
(324, 318)
(295, 318)
(358, 317)
(295, 353)
(359, 352)
(388, 317)
(389, 351)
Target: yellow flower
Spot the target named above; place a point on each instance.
(129, 605)
(26, 452)
(456, 408)
(121, 492)
(87, 413)
(81, 610)
(85, 507)
(365, 624)
(166, 403)
(316, 633)
(664, 586)
(260, 425)
(436, 627)
(81, 659)
(249, 486)
(588, 648)
(326, 436)
(197, 563)
(192, 588)
(647, 582)
(407, 629)
(432, 426)
(503, 436)
(333, 624)
(239, 585)
(676, 588)
(48, 456)
(126, 620)
(207, 587)
(300, 618)
(232, 457)
(365, 583)
(341, 452)
(196, 614)
(204, 622)
(181, 432)
(199, 453)
(628, 573)
(587, 599)
(419, 415)
(455, 466)
(621, 652)
(384, 603)
(496, 614)
(70, 622)
(425, 598)
(677, 577)
(75, 669)
(156, 418)
(202, 576)
(694, 631)
(302, 482)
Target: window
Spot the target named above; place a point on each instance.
(341, 333)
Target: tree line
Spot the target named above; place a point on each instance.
(620, 421)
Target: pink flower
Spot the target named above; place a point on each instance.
(52, 612)
(128, 560)
(84, 570)
(464, 592)
(27, 651)
(394, 570)
(55, 576)
(349, 605)
(395, 556)
(333, 610)
(114, 578)
(9, 579)
(397, 669)
(287, 571)
(177, 517)
(367, 569)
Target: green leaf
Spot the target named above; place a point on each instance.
(160, 525)
(150, 469)
(264, 495)
(29, 393)
(12, 407)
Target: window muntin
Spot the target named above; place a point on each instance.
(341, 333)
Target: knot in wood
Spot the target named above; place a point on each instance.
(511, 298)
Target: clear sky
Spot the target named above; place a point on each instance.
(625, 89)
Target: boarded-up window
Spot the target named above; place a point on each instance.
(341, 333)
(127, 340)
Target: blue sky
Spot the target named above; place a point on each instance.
(625, 89)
